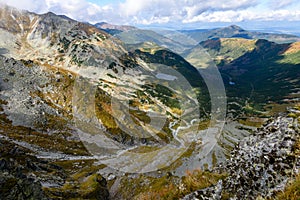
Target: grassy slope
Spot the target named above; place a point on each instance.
(225, 50)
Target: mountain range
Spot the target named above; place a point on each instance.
(234, 31)
(109, 111)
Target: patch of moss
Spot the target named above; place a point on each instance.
(88, 188)
(204, 125)
(86, 171)
(252, 122)
(168, 186)
(82, 182)
(144, 149)
(199, 179)
(214, 159)
(140, 116)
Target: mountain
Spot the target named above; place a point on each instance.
(258, 74)
(131, 35)
(223, 50)
(51, 39)
(234, 31)
(104, 25)
(263, 67)
(113, 29)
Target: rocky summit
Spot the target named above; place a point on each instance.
(116, 112)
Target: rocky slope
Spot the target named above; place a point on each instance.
(75, 49)
(260, 165)
(63, 82)
(15, 173)
(24, 176)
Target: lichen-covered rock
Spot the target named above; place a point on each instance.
(263, 163)
(260, 165)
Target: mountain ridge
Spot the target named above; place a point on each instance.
(238, 32)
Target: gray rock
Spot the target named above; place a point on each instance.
(260, 164)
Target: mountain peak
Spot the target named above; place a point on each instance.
(235, 27)
(101, 23)
(104, 25)
(14, 20)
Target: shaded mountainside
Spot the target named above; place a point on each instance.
(224, 50)
(256, 73)
(263, 75)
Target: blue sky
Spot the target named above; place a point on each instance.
(105, 2)
(172, 13)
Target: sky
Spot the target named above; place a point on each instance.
(173, 13)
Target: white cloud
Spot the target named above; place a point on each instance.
(179, 9)
(77, 9)
(238, 16)
(166, 11)
(31, 5)
(188, 11)
(279, 4)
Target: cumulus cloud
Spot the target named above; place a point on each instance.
(179, 10)
(239, 16)
(77, 9)
(166, 11)
(189, 11)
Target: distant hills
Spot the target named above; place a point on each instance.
(113, 29)
(200, 35)
(234, 31)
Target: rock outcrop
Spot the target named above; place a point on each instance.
(260, 165)
(15, 167)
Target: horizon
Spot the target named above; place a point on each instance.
(265, 15)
